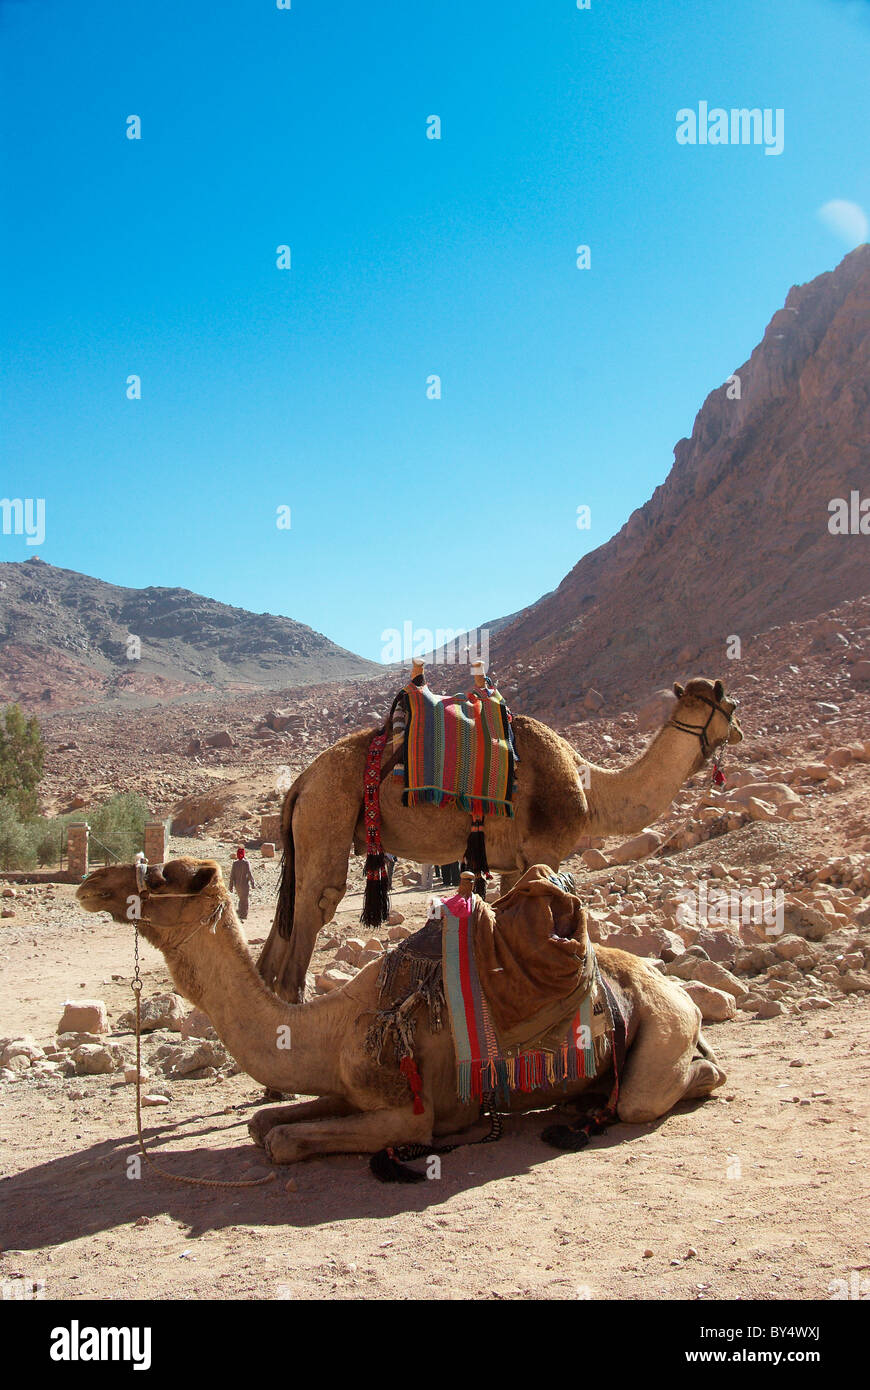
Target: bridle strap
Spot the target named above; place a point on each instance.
(699, 730)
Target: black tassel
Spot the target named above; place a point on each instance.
(376, 898)
(386, 1168)
(475, 851)
(565, 1137)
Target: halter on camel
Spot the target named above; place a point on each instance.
(700, 731)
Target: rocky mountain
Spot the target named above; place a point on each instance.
(758, 522)
(65, 639)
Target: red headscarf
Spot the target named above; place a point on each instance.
(240, 853)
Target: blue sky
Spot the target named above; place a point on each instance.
(306, 388)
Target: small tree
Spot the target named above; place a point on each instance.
(16, 848)
(22, 754)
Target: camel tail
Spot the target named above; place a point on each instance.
(287, 881)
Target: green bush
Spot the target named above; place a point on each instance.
(17, 848)
(22, 754)
(118, 824)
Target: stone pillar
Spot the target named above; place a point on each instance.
(77, 833)
(155, 842)
(270, 827)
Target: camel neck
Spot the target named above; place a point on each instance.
(288, 1047)
(622, 801)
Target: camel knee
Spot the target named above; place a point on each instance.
(638, 1112)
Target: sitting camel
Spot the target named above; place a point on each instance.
(363, 1105)
(559, 798)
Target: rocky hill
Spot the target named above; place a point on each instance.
(737, 538)
(65, 641)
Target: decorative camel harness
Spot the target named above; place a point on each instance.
(456, 751)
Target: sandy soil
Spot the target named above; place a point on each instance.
(756, 1194)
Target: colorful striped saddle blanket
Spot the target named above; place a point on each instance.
(518, 982)
(458, 751)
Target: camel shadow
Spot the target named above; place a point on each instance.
(98, 1188)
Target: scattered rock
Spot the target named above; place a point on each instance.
(84, 1016)
(96, 1059)
(160, 1011)
(716, 1006)
(196, 1024)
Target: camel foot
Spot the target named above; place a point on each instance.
(283, 1145)
(325, 1107)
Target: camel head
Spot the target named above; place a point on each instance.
(705, 710)
(169, 901)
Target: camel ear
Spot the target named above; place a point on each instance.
(679, 690)
(203, 878)
(718, 691)
(154, 876)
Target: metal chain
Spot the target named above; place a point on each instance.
(172, 1177)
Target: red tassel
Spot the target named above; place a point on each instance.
(408, 1068)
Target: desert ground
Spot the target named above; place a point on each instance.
(758, 1192)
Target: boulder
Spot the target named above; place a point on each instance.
(396, 918)
(594, 859)
(160, 1011)
(769, 1008)
(708, 972)
(791, 947)
(716, 1006)
(98, 1059)
(719, 943)
(775, 794)
(760, 810)
(17, 1064)
(222, 738)
(84, 1016)
(636, 848)
(853, 981)
(398, 933)
(331, 979)
(185, 1059)
(593, 700)
(196, 1024)
(802, 920)
(267, 850)
(24, 1046)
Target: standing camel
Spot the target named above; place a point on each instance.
(559, 798)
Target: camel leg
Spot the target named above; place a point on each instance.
(323, 837)
(704, 1078)
(662, 1067)
(507, 881)
(325, 1106)
(355, 1134)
